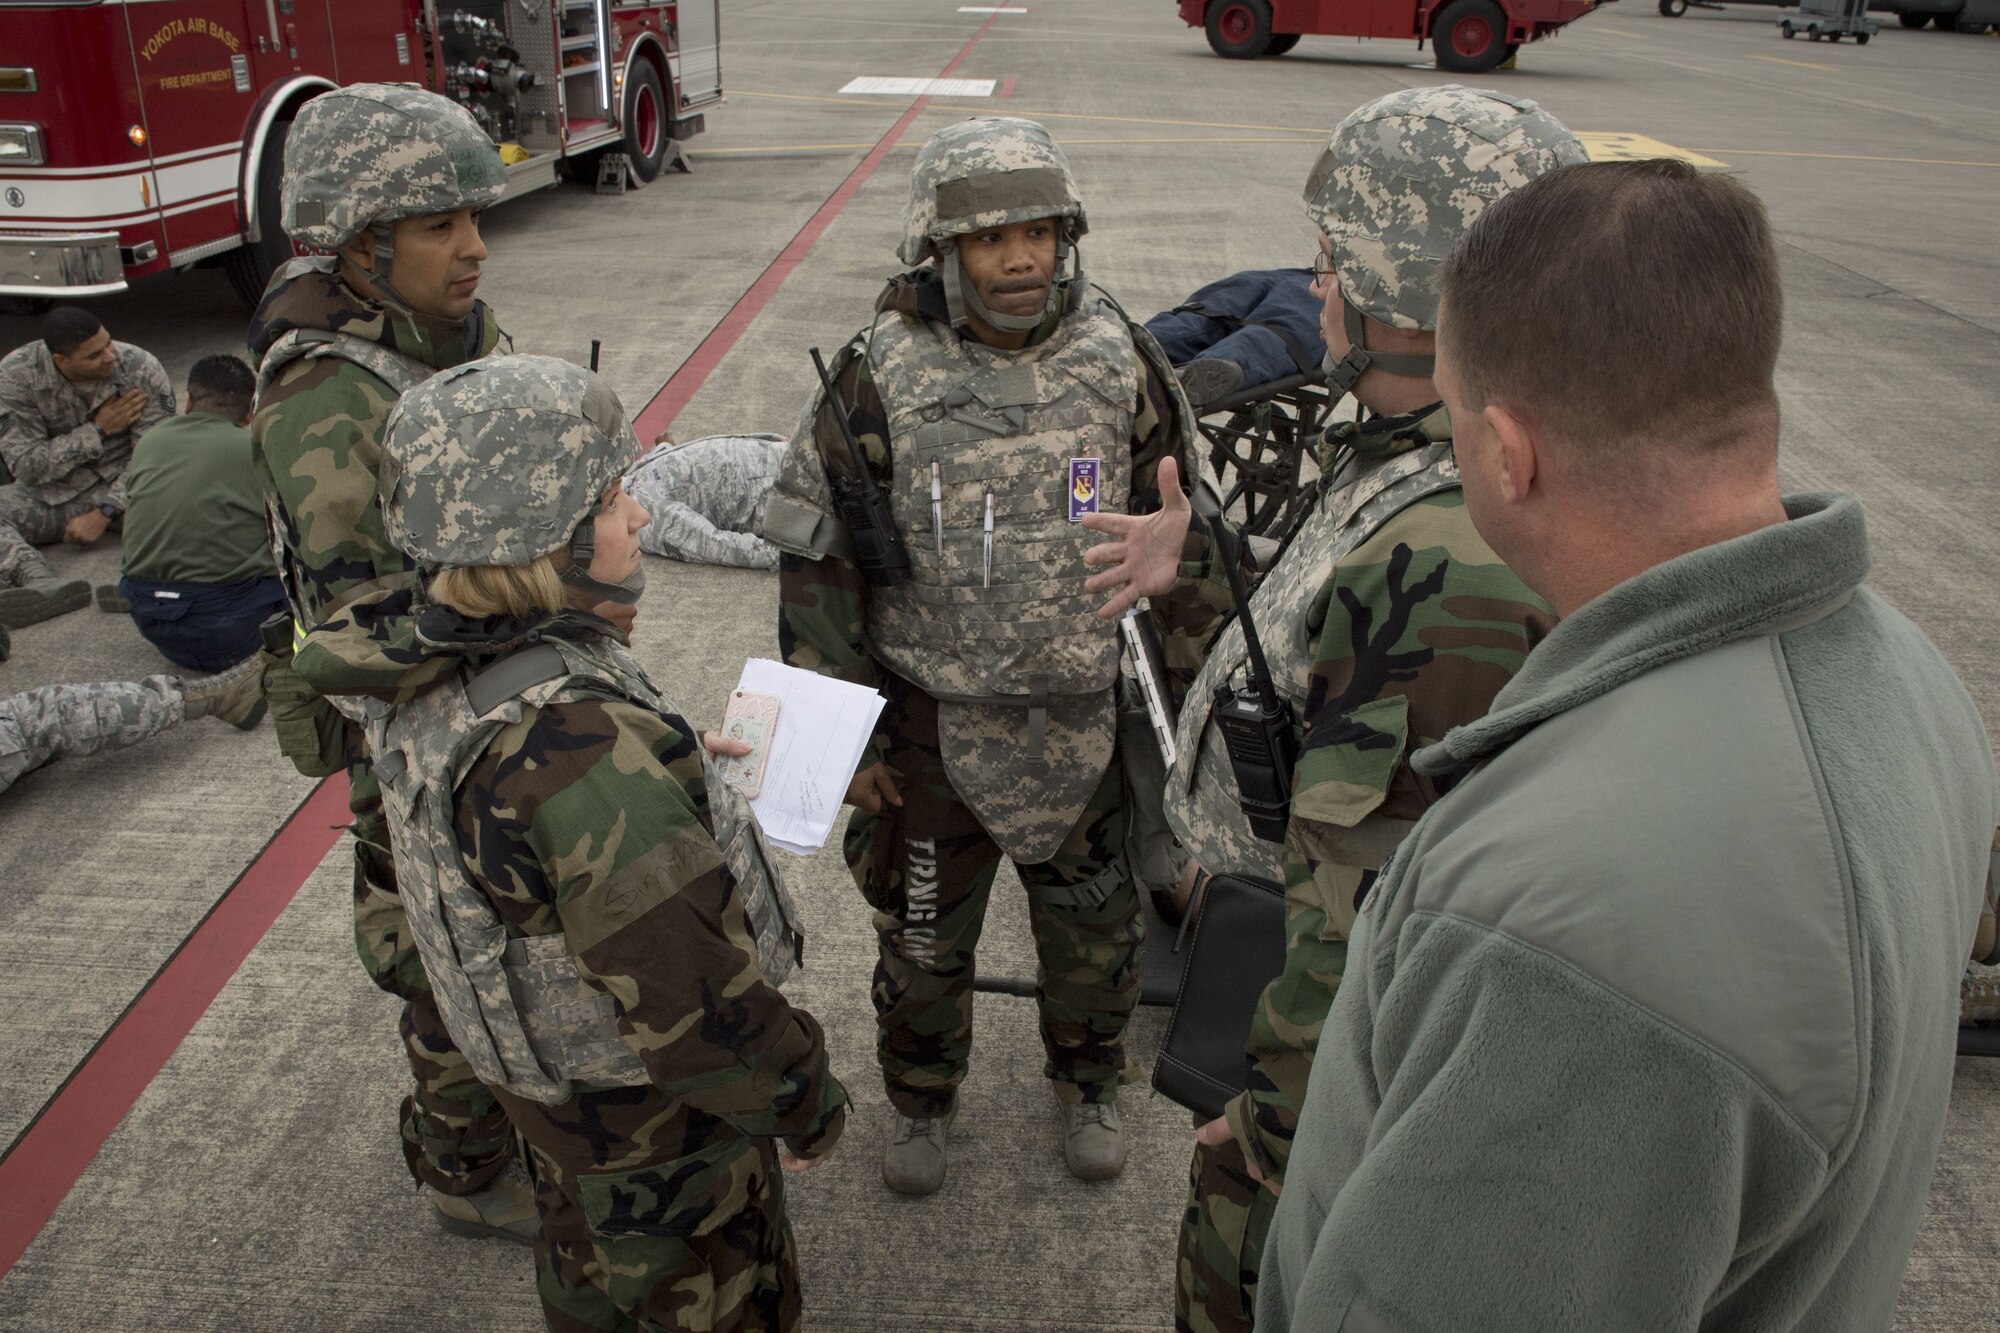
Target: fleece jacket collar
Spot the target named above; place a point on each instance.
(1686, 606)
(315, 298)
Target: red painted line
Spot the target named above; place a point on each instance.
(1007, 86)
(51, 1154)
(681, 387)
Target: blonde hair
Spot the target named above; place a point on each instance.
(521, 592)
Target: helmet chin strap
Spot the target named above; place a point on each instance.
(582, 547)
(1342, 375)
(962, 298)
(383, 245)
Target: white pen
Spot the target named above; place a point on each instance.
(989, 539)
(937, 506)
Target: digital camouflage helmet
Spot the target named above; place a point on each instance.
(990, 171)
(1401, 179)
(362, 157)
(498, 462)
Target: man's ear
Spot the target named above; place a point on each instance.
(360, 251)
(1517, 451)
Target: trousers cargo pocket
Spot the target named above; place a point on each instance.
(689, 1196)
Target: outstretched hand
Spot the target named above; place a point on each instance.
(1145, 553)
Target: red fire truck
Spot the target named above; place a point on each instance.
(1469, 36)
(138, 136)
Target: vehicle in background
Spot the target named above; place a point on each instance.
(136, 139)
(1469, 36)
(1967, 16)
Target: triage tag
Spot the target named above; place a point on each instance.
(750, 718)
(1082, 487)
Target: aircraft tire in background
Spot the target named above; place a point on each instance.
(1281, 42)
(1909, 20)
(1470, 37)
(1239, 29)
(1673, 9)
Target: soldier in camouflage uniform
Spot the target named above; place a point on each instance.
(37, 726)
(707, 499)
(72, 404)
(597, 915)
(1387, 621)
(996, 398)
(389, 180)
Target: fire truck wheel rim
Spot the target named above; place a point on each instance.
(1471, 35)
(648, 115)
(1237, 23)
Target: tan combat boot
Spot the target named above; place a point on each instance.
(40, 595)
(914, 1161)
(236, 696)
(505, 1208)
(1093, 1142)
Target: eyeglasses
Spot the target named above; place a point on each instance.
(1322, 266)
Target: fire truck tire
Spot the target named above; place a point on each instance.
(250, 266)
(1239, 29)
(647, 129)
(1470, 36)
(1281, 43)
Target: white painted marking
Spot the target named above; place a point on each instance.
(990, 9)
(888, 87)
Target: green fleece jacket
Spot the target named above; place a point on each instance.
(1649, 1023)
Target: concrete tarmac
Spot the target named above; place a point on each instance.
(256, 1182)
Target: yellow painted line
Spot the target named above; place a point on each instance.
(1609, 146)
(1852, 157)
(1796, 64)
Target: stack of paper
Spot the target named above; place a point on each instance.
(823, 726)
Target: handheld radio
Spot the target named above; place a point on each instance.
(878, 546)
(1256, 724)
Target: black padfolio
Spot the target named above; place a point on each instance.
(1237, 947)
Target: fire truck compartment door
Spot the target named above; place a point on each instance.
(293, 37)
(700, 74)
(194, 61)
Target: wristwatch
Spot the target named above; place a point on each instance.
(109, 510)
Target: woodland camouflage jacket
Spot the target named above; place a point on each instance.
(558, 805)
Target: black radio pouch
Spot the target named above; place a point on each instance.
(1256, 724)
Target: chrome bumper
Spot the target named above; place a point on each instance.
(60, 264)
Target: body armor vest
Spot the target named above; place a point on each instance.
(1015, 654)
(401, 373)
(1005, 425)
(518, 1007)
(1201, 789)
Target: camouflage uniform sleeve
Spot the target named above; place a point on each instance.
(596, 810)
(1413, 635)
(317, 447)
(823, 597)
(370, 647)
(151, 376)
(34, 457)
